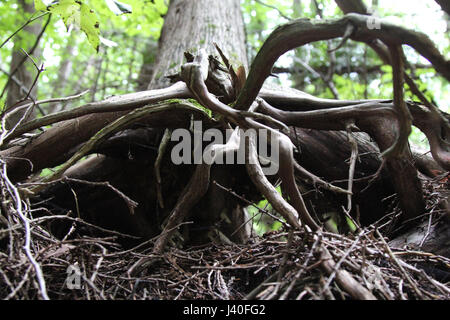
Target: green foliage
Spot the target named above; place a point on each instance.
(262, 222)
(144, 20)
(87, 16)
(128, 30)
(350, 224)
(77, 13)
(118, 8)
(113, 70)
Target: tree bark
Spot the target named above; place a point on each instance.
(26, 72)
(445, 5)
(64, 71)
(191, 25)
(148, 64)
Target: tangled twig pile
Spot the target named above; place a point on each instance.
(89, 263)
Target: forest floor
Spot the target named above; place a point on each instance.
(92, 264)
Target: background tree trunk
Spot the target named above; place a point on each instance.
(191, 25)
(188, 26)
(26, 72)
(148, 64)
(64, 71)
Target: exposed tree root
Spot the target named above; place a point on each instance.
(361, 259)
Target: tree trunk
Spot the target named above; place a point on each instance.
(64, 72)
(188, 26)
(25, 73)
(148, 64)
(445, 5)
(191, 25)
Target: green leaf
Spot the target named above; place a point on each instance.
(90, 25)
(350, 224)
(75, 12)
(41, 5)
(68, 10)
(118, 8)
(276, 226)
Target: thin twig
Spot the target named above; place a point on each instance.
(26, 247)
